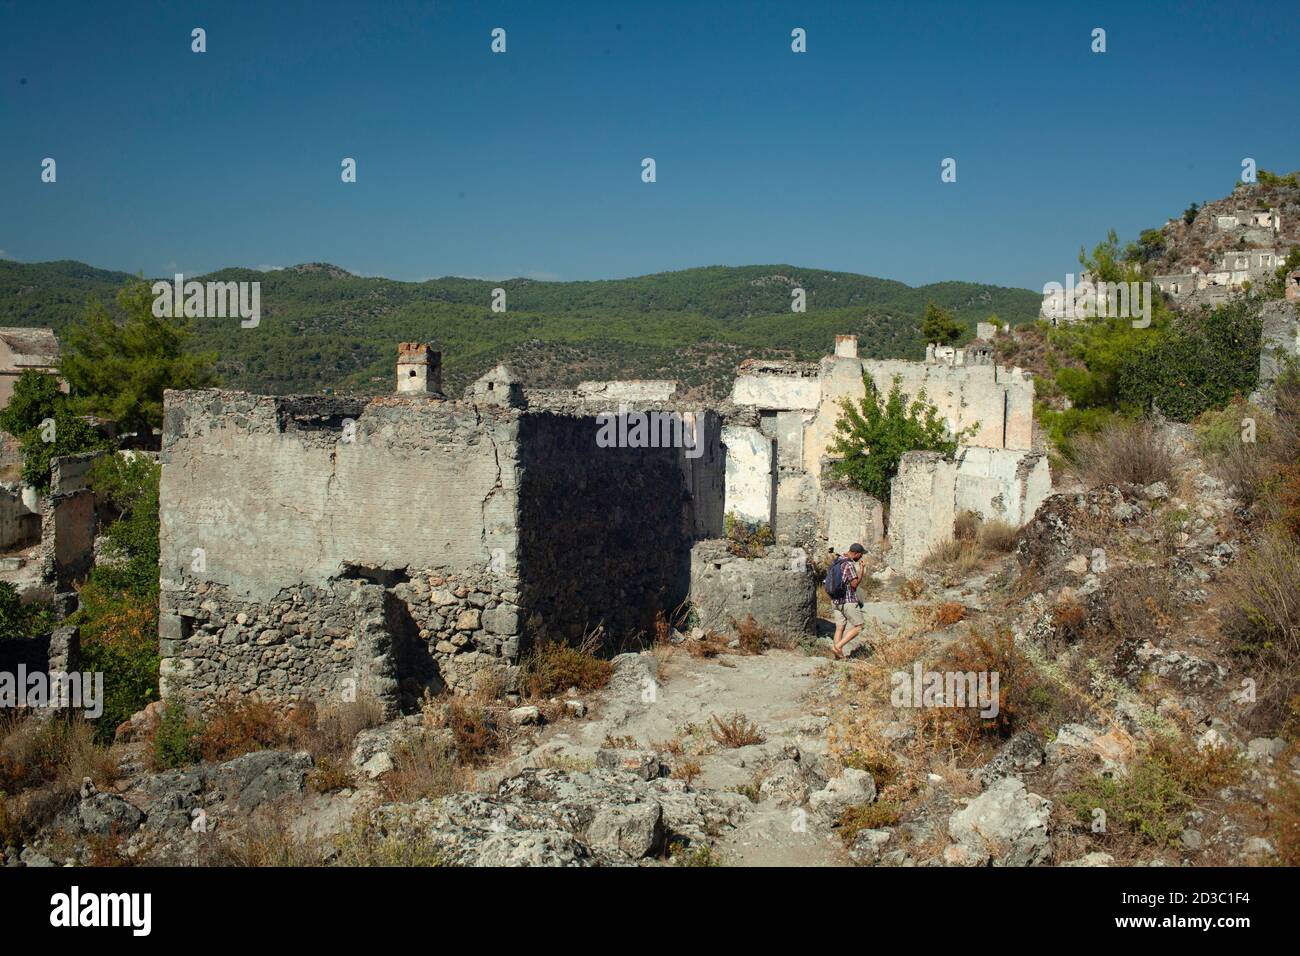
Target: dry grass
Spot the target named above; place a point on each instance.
(1124, 453)
(1257, 470)
(552, 667)
(330, 774)
(984, 653)
(735, 731)
(966, 526)
(43, 761)
(997, 536)
(754, 638)
(247, 724)
(266, 842)
(872, 816)
(243, 726)
(1284, 820)
(955, 556)
(476, 730)
(1262, 618)
(911, 589)
(424, 766)
(948, 614)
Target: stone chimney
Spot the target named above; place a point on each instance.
(846, 346)
(419, 369)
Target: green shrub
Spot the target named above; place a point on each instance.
(19, 620)
(175, 739)
(1161, 786)
(872, 437)
(1204, 360)
(119, 603)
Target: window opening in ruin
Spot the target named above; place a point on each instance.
(384, 577)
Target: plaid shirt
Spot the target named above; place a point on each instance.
(851, 579)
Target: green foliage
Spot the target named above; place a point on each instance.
(1189, 214)
(119, 369)
(36, 401)
(938, 326)
(1065, 427)
(1151, 244)
(119, 603)
(36, 395)
(129, 485)
(1149, 802)
(176, 741)
(747, 539)
(1106, 264)
(1275, 287)
(19, 620)
(324, 329)
(871, 438)
(119, 639)
(72, 435)
(1164, 783)
(1266, 178)
(1201, 363)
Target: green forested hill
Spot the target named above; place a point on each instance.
(323, 328)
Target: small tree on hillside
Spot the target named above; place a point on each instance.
(119, 370)
(872, 437)
(939, 326)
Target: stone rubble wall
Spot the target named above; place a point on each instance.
(315, 546)
(931, 491)
(777, 590)
(605, 532)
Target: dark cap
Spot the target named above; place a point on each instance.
(856, 548)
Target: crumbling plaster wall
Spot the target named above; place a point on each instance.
(931, 490)
(750, 473)
(290, 524)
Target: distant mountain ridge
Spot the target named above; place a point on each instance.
(325, 328)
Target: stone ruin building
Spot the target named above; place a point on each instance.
(318, 546)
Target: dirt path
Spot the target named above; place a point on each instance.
(779, 691)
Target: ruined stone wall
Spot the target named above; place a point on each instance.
(850, 516)
(605, 533)
(317, 547)
(1280, 344)
(276, 491)
(311, 542)
(930, 491)
(776, 589)
(328, 644)
(751, 474)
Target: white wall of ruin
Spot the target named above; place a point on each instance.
(930, 491)
(750, 491)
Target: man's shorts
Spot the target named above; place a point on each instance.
(849, 614)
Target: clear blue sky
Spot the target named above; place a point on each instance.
(528, 163)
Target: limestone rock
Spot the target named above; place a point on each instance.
(1005, 825)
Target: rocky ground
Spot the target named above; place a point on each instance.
(1127, 734)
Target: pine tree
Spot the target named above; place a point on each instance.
(939, 326)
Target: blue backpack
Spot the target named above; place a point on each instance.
(834, 581)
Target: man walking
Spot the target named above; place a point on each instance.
(846, 610)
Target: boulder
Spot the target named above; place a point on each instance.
(852, 788)
(1005, 826)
